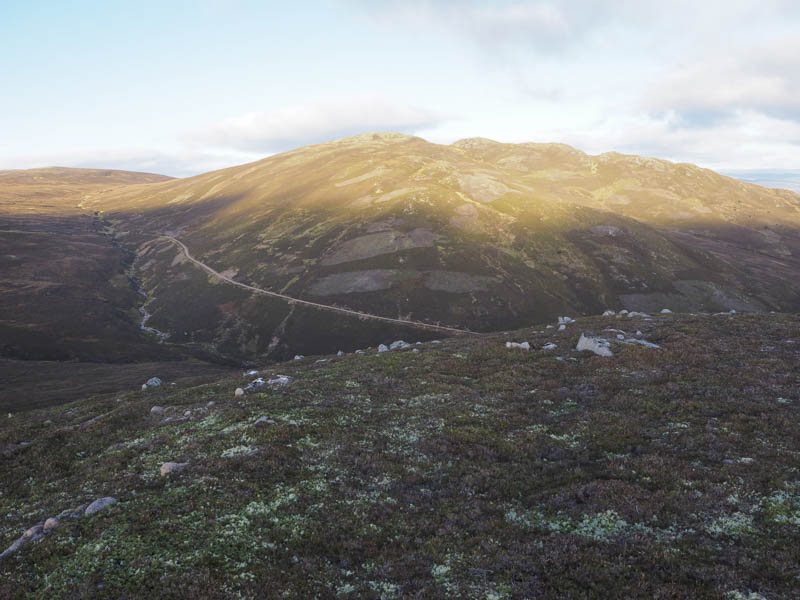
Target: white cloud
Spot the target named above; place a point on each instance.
(313, 122)
(764, 78)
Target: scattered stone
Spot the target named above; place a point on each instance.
(360, 352)
(255, 384)
(398, 345)
(623, 312)
(280, 380)
(51, 523)
(435, 342)
(549, 327)
(157, 410)
(609, 313)
(211, 404)
(321, 360)
(77, 513)
(144, 387)
(251, 373)
(187, 413)
(415, 350)
(598, 345)
(340, 353)
(521, 346)
(34, 532)
(644, 343)
(633, 313)
(264, 422)
(153, 382)
(383, 348)
(565, 320)
(666, 311)
(14, 547)
(639, 333)
(48, 422)
(238, 392)
(620, 336)
(549, 346)
(562, 327)
(299, 357)
(98, 505)
(173, 467)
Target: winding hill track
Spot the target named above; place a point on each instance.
(327, 307)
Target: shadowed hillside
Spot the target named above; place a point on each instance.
(477, 234)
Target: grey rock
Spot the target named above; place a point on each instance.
(299, 357)
(398, 345)
(264, 422)
(34, 532)
(340, 353)
(666, 311)
(238, 392)
(609, 313)
(98, 505)
(77, 513)
(51, 523)
(153, 382)
(280, 380)
(157, 410)
(173, 467)
(383, 348)
(211, 404)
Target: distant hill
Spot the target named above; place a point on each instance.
(476, 234)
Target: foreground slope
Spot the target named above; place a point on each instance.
(476, 234)
(465, 470)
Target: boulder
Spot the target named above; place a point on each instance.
(210, 404)
(153, 382)
(264, 422)
(173, 467)
(51, 523)
(598, 345)
(144, 386)
(299, 357)
(562, 327)
(280, 380)
(250, 373)
(255, 384)
(157, 410)
(609, 313)
(383, 348)
(666, 311)
(98, 505)
(340, 353)
(517, 345)
(238, 392)
(398, 345)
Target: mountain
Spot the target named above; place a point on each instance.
(475, 234)
(462, 470)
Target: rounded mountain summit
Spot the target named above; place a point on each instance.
(476, 234)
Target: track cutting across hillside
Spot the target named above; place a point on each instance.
(316, 305)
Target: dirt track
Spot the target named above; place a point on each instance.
(291, 300)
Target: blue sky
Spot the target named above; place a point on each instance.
(184, 87)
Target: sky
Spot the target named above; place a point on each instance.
(182, 87)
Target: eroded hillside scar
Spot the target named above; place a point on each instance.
(292, 300)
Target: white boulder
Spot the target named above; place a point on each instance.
(598, 345)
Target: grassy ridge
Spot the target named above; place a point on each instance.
(465, 470)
